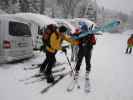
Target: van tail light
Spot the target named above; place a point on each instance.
(6, 44)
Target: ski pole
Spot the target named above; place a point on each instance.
(70, 65)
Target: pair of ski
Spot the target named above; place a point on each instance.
(58, 75)
(41, 76)
(75, 84)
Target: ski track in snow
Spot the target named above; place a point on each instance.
(110, 77)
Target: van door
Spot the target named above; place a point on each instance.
(20, 40)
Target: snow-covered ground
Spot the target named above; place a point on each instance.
(110, 78)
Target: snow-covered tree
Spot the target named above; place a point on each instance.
(68, 6)
(10, 6)
(82, 8)
(24, 5)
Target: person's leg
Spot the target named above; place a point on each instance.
(126, 50)
(79, 59)
(88, 51)
(130, 50)
(50, 65)
(44, 64)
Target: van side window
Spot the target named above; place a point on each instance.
(19, 29)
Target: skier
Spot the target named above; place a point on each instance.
(46, 38)
(129, 44)
(55, 41)
(85, 50)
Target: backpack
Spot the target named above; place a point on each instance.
(47, 34)
(90, 40)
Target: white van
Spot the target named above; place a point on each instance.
(15, 39)
(37, 22)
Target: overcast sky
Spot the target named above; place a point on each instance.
(120, 5)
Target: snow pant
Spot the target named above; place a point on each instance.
(84, 51)
(48, 63)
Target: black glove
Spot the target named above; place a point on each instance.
(64, 50)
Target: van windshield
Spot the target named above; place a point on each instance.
(19, 29)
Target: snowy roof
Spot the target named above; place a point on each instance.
(7, 17)
(11, 17)
(39, 19)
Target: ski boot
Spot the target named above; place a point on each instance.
(74, 82)
(50, 78)
(76, 79)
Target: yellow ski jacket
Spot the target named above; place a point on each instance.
(55, 42)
